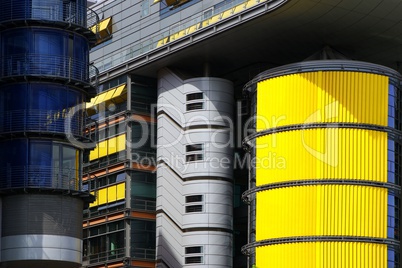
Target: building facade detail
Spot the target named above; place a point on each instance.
(194, 175)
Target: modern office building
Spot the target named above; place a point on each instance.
(182, 83)
(44, 79)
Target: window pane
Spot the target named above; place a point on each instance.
(195, 96)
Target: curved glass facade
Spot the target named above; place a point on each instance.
(327, 156)
(30, 163)
(74, 11)
(45, 52)
(39, 107)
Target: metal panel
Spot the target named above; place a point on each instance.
(326, 153)
(322, 210)
(322, 97)
(323, 254)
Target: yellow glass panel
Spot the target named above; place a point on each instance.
(108, 147)
(121, 191)
(350, 97)
(102, 196)
(111, 193)
(322, 210)
(322, 254)
(326, 153)
(121, 143)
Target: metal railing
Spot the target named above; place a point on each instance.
(49, 121)
(143, 253)
(52, 66)
(105, 256)
(165, 36)
(56, 11)
(35, 176)
(143, 204)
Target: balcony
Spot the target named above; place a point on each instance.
(52, 67)
(66, 12)
(40, 121)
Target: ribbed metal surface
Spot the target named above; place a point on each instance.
(334, 153)
(323, 254)
(42, 214)
(298, 141)
(333, 210)
(47, 66)
(323, 96)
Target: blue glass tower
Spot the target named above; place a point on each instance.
(44, 77)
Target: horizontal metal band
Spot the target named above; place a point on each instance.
(194, 178)
(392, 132)
(195, 229)
(390, 186)
(41, 247)
(250, 248)
(323, 65)
(197, 126)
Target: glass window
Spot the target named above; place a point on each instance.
(194, 157)
(195, 106)
(193, 260)
(145, 8)
(194, 147)
(193, 250)
(195, 96)
(193, 208)
(194, 198)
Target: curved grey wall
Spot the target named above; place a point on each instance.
(195, 160)
(41, 227)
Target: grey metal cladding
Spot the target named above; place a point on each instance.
(42, 214)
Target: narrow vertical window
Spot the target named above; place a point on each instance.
(145, 8)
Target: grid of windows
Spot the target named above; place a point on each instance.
(194, 198)
(194, 152)
(194, 101)
(194, 96)
(194, 203)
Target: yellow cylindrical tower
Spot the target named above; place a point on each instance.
(325, 160)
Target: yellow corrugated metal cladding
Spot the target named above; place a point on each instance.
(322, 97)
(322, 255)
(316, 154)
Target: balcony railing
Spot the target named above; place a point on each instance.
(35, 176)
(69, 12)
(170, 34)
(105, 256)
(50, 66)
(41, 121)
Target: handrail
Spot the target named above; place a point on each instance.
(69, 12)
(44, 121)
(39, 176)
(56, 66)
(170, 34)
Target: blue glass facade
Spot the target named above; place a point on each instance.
(44, 79)
(44, 73)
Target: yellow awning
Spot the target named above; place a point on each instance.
(103, 28)
(119, 90)
(107, 95)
